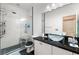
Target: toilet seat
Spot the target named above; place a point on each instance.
(29, 44)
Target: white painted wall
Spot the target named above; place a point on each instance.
(37, 21)
(54, 19)
(14, 28)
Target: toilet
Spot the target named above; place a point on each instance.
(28, 42)
(29, 46)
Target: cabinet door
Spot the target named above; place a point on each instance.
(59, 51)
(42, 48)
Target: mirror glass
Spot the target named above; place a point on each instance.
(62, 21)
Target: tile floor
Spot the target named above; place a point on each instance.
(15, 52)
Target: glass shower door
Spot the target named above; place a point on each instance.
(12, 28)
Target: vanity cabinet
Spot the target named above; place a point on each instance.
(59, 51)
(41, 48)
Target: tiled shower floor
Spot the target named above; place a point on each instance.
(15, 52)
(20, 51)
(9, 49)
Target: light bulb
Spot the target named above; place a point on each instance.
(48, 7)
(54, 6)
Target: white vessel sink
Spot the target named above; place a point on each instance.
(73, 45)
(55, 37)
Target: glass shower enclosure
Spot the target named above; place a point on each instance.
(11, 29)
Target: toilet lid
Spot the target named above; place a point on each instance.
(29, 43)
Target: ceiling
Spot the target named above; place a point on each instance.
(42, 6)
(28, 6)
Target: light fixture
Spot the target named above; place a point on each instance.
(54, 6)
(48, 8)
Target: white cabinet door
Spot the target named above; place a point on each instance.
(42, 48)
(59, 51)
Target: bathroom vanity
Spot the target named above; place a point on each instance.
(45, 46)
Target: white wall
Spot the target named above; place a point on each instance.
(14, 30)
(37, 24)
(54, 19)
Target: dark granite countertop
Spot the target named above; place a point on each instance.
(58, 44)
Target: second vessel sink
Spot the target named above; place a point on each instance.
(73, 45)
